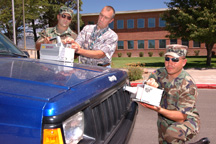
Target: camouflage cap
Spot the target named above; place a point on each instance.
(64, 9)
(176, 50)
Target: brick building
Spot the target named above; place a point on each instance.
(143, 31)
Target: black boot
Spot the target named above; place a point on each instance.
(204, 140)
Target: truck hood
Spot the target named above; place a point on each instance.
(51, 88)
(42, 80)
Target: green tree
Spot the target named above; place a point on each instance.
(6, 23)
(44, 11)
(192, 20)
(49, 17)
(33, 10)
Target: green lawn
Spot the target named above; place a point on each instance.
(154, 62)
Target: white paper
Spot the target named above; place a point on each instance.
(131, 89)
(149, 94)
(57, 52)
(66, 54)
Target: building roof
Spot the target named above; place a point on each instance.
(128, 12)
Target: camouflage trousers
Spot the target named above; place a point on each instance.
(175, 133)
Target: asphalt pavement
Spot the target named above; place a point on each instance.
(145, 129)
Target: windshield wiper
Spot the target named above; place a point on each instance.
(5, 52)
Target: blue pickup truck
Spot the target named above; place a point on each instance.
(49, 102)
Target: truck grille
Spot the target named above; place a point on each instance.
(105, 117)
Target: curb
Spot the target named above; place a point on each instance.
(199, 86)
(206, 86)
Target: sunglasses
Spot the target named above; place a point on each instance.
(64, 16)
(173, 59)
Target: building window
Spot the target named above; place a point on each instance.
(130, 44)
(140, 44)
(162, 43)
(111, 25)
(173, 41)
(120, 24)
(90, 22)
(130, 23)
(151, 44)
(140, 23)
(162, 23)
(185, 42)
(196, 44)
(120, 45)
(151, 22)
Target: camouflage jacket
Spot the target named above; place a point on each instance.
(52, 32)
(180, 94)
(104, 40)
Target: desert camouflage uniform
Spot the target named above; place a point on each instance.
(179, 95)
(52, 32)
(105, 40)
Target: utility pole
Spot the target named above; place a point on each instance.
(78, 18)
(14, 31)
(78, 21)
(24, 25)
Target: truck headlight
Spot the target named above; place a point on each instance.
(74, 128)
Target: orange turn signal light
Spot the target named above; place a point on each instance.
(52, 136)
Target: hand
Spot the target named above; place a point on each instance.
(152, 82)
(75, 46)
(47, 40)
(68, 40)
(150, 106)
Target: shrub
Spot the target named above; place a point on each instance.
(134, 73)
(136, 64)
(161, 53)
(129, 54)
(119, 54)
(196, 52)
(141, 54)
(150, 54)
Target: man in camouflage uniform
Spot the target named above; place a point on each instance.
(61, 29)
(97, 43)
(178, 119)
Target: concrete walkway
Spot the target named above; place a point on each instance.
(204, 78)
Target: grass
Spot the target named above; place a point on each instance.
(155, 62)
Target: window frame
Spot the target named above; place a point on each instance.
(149, 44)
(119, 23)
(143, 26)
(162, 23)
(128, 44)
(130, 22)
(120, 46)
(111, 25)
(138, 44)
(160, 43)
(151, 22)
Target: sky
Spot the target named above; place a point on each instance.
(95, 6)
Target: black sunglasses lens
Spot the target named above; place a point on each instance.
(173, 59)
(167, 58)
(69, 18)
(63, 16)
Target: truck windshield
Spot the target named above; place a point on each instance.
(7, 48)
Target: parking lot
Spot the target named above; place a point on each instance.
(145, 129)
